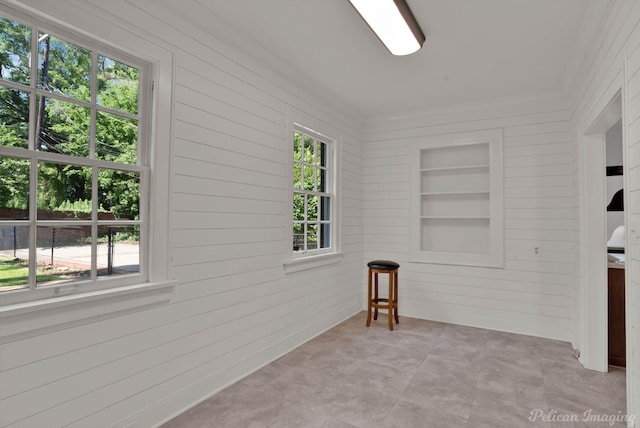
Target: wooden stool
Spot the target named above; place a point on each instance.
(391, 305)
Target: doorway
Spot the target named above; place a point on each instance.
(593, 292)
(616, 260)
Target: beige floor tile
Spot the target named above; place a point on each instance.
(423, 374)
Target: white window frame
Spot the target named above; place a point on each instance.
(296, 261)
(29, 311)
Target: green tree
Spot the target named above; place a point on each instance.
(15, 50)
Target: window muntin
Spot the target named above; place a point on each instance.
(72, 168)
(313, 193)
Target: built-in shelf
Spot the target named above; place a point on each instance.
(457, 208)
(451, 217)
(454, 168)
(480, 192)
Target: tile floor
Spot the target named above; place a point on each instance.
(424, 374)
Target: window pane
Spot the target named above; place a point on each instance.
(321, 179)
(309, 179)
(298, 206)
(298, 237)
(118, 250)
(311, 205)
(322, 154)
(325, 208)
(15, 51)
(119, 194)
(14, 118)
(63, 68)
(14, 256)
(117, 85)
(116, 138)
(63, 127)
(64, 191)
(64, 254)
(309, 149)
(325, 236)
(14, 189)
(312, 236)
(297, 145)
(297, 175)
(312, 208)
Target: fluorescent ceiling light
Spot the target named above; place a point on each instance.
(393, 23)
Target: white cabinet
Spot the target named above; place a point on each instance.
(457, 194)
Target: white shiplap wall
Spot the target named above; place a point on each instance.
(532, 294)
(233, 309)
(614, 65)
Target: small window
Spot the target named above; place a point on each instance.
(313, 193)
(73, 171)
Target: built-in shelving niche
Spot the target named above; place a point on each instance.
(457, 215)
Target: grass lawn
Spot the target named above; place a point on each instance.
(16, 272)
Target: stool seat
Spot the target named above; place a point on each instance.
(375, 302)
(383, 264)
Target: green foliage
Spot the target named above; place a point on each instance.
(116, 138)
(14, 183)
(15, 49)
(14, 118)
(64, 68)
(119, 193)
(65, 128)
(117, 85)
(81, 206)
(59, 184)
(127, 234)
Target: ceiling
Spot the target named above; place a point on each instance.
(475, 50)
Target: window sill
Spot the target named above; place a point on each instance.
(311, 262)
(23, 320)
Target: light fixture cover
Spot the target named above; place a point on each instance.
(393, 23)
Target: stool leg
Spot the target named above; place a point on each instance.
(375, 298)
(390, 301)
(395, 294)
(369, 300)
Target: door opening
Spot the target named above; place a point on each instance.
(595, 234)
(616, 296)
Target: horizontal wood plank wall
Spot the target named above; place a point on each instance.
(532, 294)
(234, 308)
(601, 79)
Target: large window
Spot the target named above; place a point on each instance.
(313, 193)
(73, 163)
